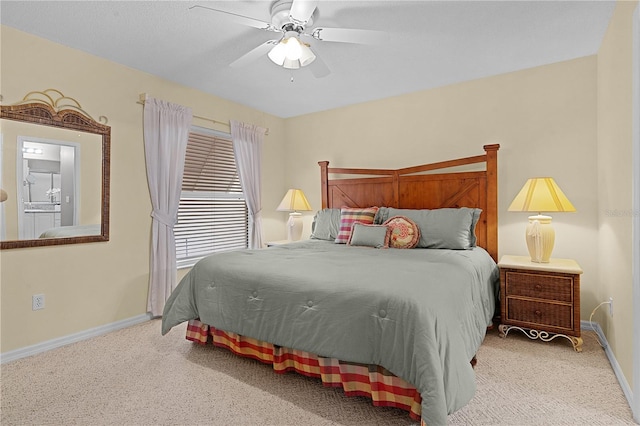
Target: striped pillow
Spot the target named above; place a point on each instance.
(350, 215)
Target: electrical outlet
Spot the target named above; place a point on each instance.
(37, 302)
(611, 306)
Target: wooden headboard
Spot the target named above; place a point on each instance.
(410, 188)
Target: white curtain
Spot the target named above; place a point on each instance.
(166, 131)
(247, 148)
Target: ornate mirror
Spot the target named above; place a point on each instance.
(54, 173)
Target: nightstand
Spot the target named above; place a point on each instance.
(541, 299)
(277, 243)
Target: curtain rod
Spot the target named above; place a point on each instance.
(143, 96)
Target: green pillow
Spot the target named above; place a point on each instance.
(447, 228)
(369, 235)
(326, 225)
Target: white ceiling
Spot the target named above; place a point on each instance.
(429, 44)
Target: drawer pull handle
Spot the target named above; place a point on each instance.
(538, 287)
(538, 313)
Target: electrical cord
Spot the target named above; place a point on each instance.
(607, 302)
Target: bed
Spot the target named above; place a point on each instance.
(72, 231)
(400, 326)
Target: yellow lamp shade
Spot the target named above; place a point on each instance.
(294, 200)
(541, 195)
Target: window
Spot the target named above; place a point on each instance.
(212, 215)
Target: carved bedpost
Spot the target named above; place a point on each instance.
(492, 199)
(324, 178)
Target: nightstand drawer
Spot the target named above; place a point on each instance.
(539, 286)
(540, 313)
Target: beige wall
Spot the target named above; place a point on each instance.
(615, 183)
(89, 285)
(544, 118)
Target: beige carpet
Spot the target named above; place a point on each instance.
(137, 377)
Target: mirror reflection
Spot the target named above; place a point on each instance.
(57, 182)
(40, 186)
(48, 193)
(54, 178)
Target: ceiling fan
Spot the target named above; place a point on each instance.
(293, 19)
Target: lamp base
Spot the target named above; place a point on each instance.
(294, 226)
(540, 238)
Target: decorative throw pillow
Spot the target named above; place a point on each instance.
(349, 215)
(368, 235)
(405, 234)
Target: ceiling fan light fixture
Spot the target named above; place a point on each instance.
(289, 57)
(278, 54)
(291, 64)
(307, 55)
(293, 48)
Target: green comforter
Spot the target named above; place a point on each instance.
(421, 313)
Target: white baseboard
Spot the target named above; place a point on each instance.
(72, 338)
(626, 389)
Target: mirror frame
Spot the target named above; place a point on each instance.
(45, 115)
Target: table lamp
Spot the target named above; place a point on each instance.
(294, 201)
(540, 195)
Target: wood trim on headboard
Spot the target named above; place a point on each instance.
(412, 188)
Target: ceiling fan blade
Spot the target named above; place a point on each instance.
(301, 10)
(240, 19)
(319, 69)
(348, 35)
(254, 54)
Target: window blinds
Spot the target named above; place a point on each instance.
(212, 215)
(210, 165)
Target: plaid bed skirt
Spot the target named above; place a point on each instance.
(372, 381)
